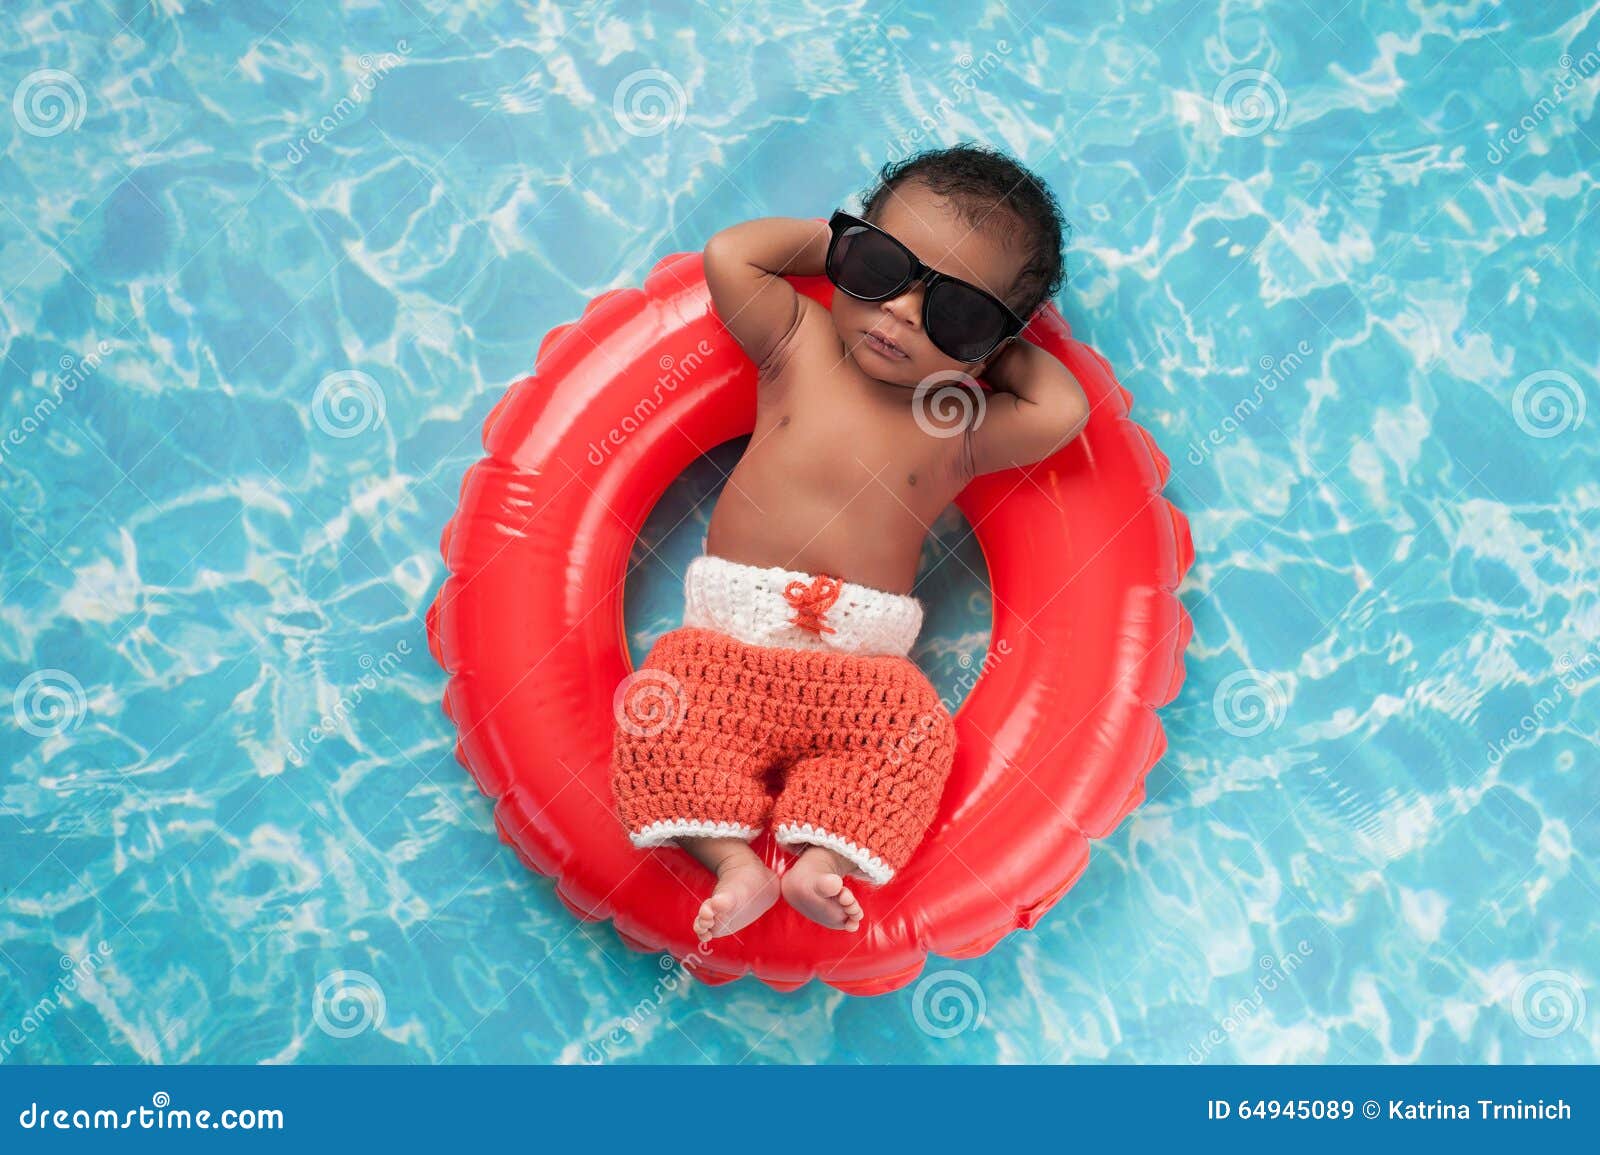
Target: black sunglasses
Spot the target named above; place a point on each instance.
(960, 319)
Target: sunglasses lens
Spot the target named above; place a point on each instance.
(964, 324)
(867, 264)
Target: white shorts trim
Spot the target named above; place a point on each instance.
(667, 830)
(746, 603)
(874, 869)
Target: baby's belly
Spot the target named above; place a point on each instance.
(868, 538)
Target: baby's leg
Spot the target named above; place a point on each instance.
(746, 888)
(861, 812)
(688, 768)
(668, 795)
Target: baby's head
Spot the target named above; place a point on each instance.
(967, 212)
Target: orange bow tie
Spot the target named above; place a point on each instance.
(812, 601)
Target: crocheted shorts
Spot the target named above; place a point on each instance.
(785, 699)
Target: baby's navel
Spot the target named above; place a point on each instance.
(782, 421)
(911, 479)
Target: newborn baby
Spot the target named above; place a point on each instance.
(798, 706)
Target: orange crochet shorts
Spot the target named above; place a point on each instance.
(720, 736)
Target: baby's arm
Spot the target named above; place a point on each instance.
(745, 266)
(1037, 407)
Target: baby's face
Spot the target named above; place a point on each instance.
(885, 338)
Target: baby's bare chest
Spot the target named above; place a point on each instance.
(825, 437)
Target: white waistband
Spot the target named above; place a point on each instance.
(766, 607)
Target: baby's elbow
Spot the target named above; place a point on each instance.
(718, 252)
(1071, 416)
(725, 268)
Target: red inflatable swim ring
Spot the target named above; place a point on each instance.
(1055, 738)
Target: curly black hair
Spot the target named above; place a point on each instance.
(977, 180)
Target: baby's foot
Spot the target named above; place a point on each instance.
(745, 891)
(815, 887)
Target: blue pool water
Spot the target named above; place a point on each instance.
(265, 268)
